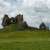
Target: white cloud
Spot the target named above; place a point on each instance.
(31, 9)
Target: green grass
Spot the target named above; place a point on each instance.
(12, 39)
(25, 40)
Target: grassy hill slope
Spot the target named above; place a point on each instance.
(10, 39)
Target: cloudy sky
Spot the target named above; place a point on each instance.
(34, 11)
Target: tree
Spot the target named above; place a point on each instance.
(43, 26)
(25, 24)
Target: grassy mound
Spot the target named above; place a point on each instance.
(12, 39)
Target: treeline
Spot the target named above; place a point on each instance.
(18, 20)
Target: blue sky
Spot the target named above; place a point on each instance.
(34, 11)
